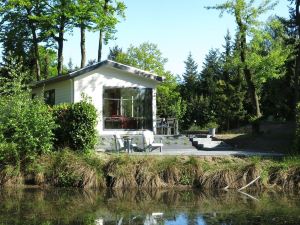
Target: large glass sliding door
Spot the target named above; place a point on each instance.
(127, 108)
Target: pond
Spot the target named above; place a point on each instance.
(170, 207)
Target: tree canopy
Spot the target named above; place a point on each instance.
(26, 25)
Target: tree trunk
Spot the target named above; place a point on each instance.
(60, 42)
(60, 56)
(35, 45)
(82, 46)
(46, 66)
(297, 69)
(100, 45)
(36, 54)
(247, 73)
(252, 93)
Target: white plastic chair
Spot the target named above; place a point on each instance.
(120, 144)
(148, 138)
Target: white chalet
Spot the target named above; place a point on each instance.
(125, 97)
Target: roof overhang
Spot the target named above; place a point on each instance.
(106, 63)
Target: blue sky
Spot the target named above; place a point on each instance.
(176, 26)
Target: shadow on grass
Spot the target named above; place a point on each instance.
(274, 137)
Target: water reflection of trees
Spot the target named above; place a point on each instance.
(111, 207)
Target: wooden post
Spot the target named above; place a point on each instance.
(121, 106)
(131, 106)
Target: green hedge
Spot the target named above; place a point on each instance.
(77, 126)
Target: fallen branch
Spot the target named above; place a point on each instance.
(225, 188)
(228, 186)
(250, 196)
(249, 183)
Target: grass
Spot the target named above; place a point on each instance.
(70, 169)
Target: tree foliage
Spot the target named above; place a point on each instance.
(246, 15)
(27, 26)
(190, 77)
(268, 52)
(219, 91)
(21, 24)
(169, 101)
(146, 56)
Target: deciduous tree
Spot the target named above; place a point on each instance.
(246, 15)
(83, 17)
(21, 29)
(57, 21)
(107, 15)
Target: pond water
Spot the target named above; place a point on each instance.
(169, 207)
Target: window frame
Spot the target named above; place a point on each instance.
(121, 117)
(50, 99)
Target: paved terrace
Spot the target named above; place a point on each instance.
(182, 145)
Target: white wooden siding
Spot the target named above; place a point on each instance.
(63, 91)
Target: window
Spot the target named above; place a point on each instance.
(49, 97)
(127, 108)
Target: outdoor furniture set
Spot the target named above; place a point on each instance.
(167, 126)
(149, 144)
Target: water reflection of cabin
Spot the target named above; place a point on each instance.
(124, 96)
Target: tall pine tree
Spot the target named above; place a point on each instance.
(190, 86)
(230, 91)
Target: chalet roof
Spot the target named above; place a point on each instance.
(106, 63)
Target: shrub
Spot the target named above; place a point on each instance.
(77, 125)
(61, 114)
(212, 124)
(26, 123)
(9, 154)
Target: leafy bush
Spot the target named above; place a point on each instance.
(77, 125)
(61, 114)
(195, 128)
(26, 123)
(8, 154)
(212, 124)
